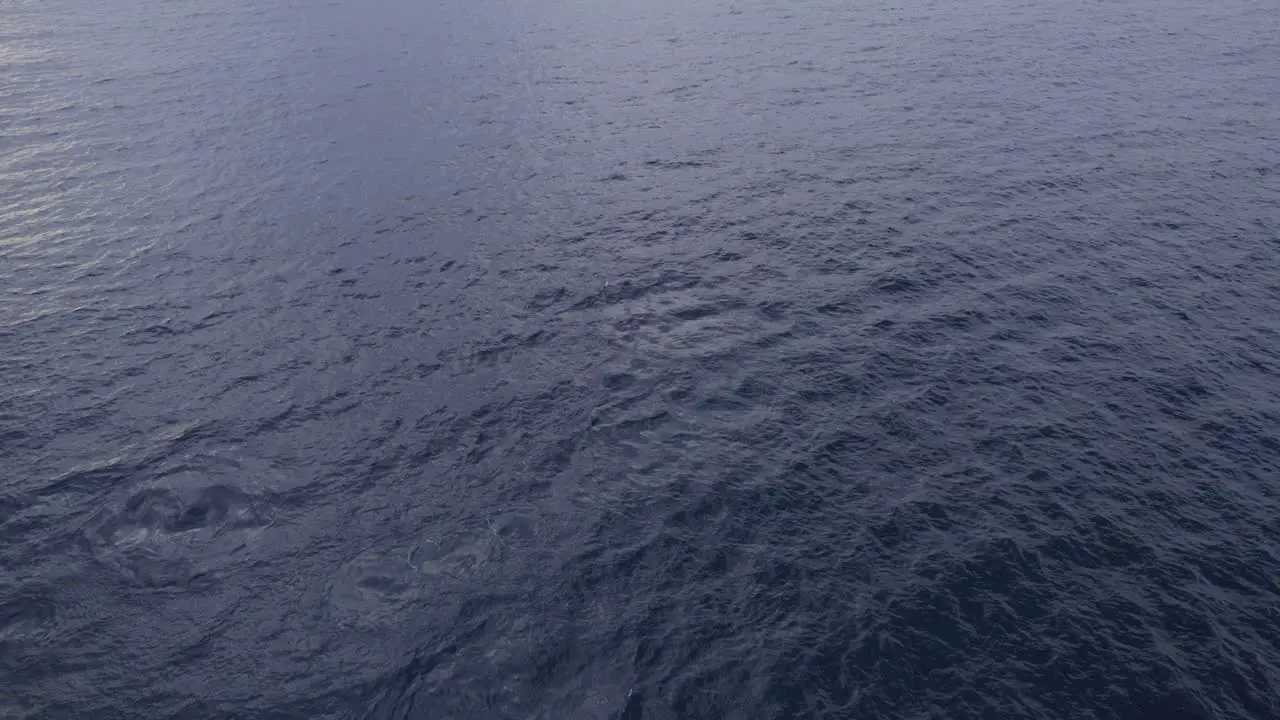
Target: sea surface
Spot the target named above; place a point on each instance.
(640, 359)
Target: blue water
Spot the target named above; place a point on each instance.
(630, 360)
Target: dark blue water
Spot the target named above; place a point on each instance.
(659, 359)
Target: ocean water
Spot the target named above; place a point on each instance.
(663, 359)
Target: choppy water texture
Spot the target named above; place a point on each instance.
(571, 359)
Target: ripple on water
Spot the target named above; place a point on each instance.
(381, 587)
(161, 537)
